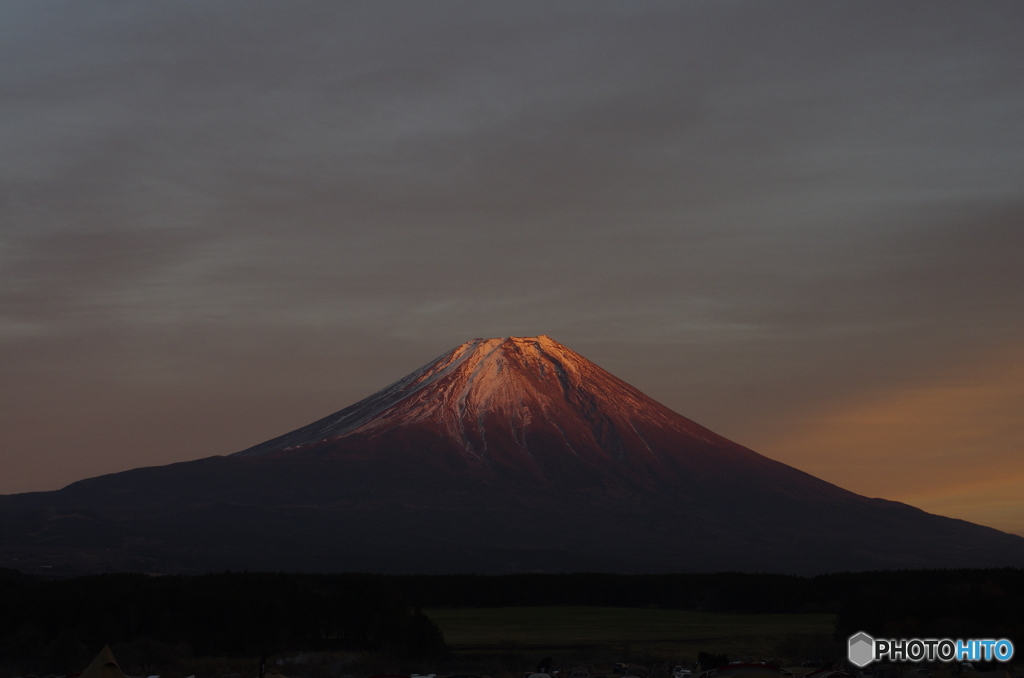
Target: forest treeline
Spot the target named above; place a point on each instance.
(254, 613)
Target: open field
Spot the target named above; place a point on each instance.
(636, 634)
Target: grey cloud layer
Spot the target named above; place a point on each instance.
(765, 187)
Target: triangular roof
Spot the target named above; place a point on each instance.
(104, 666)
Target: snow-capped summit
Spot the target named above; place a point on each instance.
(521, 406)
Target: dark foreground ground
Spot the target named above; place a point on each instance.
(513, 662)
(330, 626)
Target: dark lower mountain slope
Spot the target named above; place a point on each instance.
(503, 455)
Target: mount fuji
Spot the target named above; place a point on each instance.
(503, 455)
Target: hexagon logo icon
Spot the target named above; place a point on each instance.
(861, 649)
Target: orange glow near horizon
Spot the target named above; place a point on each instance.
(953, 446)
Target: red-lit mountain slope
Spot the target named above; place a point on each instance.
(503, 455)
(530, 410)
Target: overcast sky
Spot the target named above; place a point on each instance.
(800, 224)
